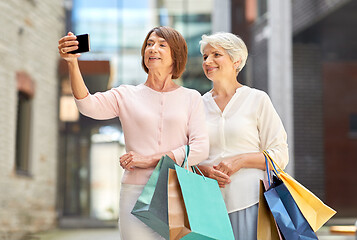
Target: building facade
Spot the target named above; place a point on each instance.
(303, 53)
(28, 115)
(325, 78)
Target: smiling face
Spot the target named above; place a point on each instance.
(157, 53)
(217, 64)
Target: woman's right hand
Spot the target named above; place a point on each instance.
(67, 44)
(210, 172)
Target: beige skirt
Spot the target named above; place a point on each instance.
(130, 227)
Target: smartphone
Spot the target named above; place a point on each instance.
(83, 44)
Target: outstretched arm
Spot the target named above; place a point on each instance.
(66, 44)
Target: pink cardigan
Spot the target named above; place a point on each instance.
(153, 122)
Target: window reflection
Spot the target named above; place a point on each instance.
(118, 27)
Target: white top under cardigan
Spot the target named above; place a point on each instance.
(249, 123)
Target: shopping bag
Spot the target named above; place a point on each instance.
(314, 210)
(206, 211)
(178, 220)
(267, 228)
(287, 215)
(151, 206)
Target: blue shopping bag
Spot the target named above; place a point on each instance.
(290, 220)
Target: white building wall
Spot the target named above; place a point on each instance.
(221, 16)
(28, 43)
(280, 67)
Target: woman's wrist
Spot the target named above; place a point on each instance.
(154, 159)
(250, 160)
(72, 62)
(203, 169)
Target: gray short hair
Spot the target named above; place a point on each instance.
(232, 44)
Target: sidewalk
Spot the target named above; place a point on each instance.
(113, 234)
(79, 234)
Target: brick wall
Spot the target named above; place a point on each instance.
(28, 43)
(308, 117)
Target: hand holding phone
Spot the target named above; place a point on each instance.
(83, 44)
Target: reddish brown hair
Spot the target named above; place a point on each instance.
(177, 45)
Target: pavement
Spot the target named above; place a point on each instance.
(78, 234)
(113, 234)
(84, 229)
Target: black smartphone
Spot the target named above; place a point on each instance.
(83, 44)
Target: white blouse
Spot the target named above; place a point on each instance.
(249, 123)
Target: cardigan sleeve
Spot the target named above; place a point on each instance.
(101, 105)
(197, 135)
(272, 133)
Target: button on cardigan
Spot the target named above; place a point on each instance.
(248, 124)
(153, 122)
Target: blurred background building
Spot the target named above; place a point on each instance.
(303, 53)
(59, 168)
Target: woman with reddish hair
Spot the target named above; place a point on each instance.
(158, 117)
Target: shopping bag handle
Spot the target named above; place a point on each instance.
(187, 150)
(267, 167)
(195, 167)
(273, 163)
(185, 163)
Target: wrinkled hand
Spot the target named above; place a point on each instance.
(210, 172)
(132, 160)
(67, 44)
(228, 166)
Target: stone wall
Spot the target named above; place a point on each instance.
(28, 45)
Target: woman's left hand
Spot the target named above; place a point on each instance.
(233, 164)
(220, 177)
(132, 160)
(229, 165)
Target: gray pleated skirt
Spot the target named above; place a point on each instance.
(244, 223)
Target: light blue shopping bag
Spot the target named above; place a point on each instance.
(206, 210)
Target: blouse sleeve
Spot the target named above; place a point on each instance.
(101, 105)
(272, 133)
(197, 135)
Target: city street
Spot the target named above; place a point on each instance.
(84, 123)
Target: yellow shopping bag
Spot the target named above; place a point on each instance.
(314, 210)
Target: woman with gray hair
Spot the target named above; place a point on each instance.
(242, 122)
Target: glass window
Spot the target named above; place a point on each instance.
(262, 7)
(117, 29)
(353, 125)
(23, 133)
(193, 19)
